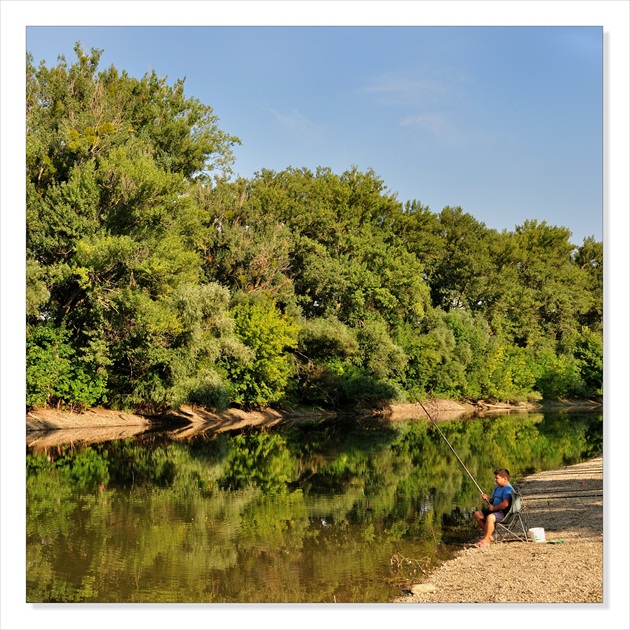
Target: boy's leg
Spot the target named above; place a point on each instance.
(488, 531)
(481, 520)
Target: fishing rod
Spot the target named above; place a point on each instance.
(454, 451)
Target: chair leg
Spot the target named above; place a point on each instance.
(503, 532)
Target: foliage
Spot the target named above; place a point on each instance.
(342, 385)
(589, 352)
(112, 229)
(57, 375)
(259, 459)
(267, 333)
(154, 279)
(558, 376)
(322, 339)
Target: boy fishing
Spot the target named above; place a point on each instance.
(498, 506)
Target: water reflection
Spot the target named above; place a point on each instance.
(346, 511)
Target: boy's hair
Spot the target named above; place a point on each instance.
(502, 472)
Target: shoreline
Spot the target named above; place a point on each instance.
(52, 427)
(567, 503)
(45, 418)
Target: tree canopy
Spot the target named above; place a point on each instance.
(154, 278)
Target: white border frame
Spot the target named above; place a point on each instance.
(612, 15)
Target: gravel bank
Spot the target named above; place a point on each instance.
(568, 504)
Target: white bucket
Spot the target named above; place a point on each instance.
(537, 534)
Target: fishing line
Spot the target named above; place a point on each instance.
(454, 451)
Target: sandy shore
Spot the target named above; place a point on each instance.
(48, 419)
(46, 427)
(568, 504)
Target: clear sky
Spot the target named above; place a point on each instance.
(505, 122)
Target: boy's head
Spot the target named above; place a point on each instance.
(502, 476)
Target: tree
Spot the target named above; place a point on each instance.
(155, 280)
(590, 259)
(269, 335)
(460, 269)
(551, 296)
(344, 258)
(112, 164)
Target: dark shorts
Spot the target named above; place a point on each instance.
(499, 516)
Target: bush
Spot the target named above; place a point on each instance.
(325, 338)
(269, 334)
(57, 375)
(342, 385)
(380, 356)
(558, 376)
(511, 374)
(207, 389)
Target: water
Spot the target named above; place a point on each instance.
(345, 510)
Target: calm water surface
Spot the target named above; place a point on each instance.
(344, 510)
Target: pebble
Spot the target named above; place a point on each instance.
(417, 589)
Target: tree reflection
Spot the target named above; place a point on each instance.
(310, 513)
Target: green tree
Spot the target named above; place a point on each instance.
(457, 275)
(270, 336)
(590, 259)
(549, 297)
(57, 375)
(344, 258)
(113, 228)
(589, 354)
(138, 242)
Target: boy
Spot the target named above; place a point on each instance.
(498, 508)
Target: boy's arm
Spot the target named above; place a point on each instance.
(501, 506)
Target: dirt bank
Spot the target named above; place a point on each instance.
(46, 419)
(441, 409)
(50, 427)
(568, 504)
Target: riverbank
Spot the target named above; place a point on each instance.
(46, 427)
(49, 419)
(568, 504)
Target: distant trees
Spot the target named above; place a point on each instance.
(154, 279)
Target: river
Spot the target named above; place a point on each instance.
(343, 510)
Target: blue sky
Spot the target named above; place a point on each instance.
(505, 122)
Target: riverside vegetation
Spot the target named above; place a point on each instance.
(156, 279)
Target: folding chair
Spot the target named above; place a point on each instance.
(514, 525)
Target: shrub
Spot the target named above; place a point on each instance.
(269, 334)
(325, 338)
(558, 375)
(56, 374)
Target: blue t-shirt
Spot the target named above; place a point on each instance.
(500, 493)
